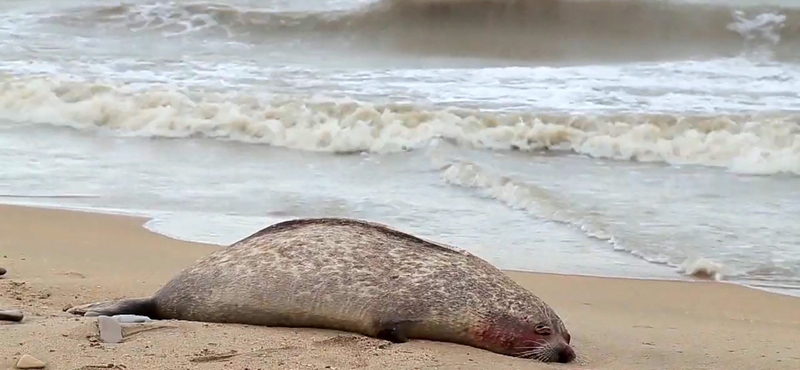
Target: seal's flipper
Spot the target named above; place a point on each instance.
(131, 306)
(394, 331)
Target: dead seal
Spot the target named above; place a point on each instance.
(361, 277)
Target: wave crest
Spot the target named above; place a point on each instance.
(765, 143)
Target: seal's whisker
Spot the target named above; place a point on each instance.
(537, 342)
(549, 351)
(538, 355)
(528, 353)
(534, 351)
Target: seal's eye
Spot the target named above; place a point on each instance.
(567, 337)
(542, 329)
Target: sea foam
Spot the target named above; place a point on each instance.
(765, 143)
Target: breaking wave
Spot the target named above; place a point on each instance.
(556, 206)
(542, 30)
(764, 143)
(546, 205)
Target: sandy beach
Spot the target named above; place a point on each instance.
(58, 258)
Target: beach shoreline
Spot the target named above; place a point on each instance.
(57, 258)
(146, 218)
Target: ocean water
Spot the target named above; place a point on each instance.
(632, 138)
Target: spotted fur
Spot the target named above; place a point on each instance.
(354, 276)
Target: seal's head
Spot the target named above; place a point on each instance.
(539, 337)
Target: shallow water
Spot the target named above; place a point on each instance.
(650, 138)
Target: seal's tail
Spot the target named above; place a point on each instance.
(129, 306)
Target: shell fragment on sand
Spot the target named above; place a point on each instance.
(110, 329)
(11, 315)
(114, 329)
(30, 362)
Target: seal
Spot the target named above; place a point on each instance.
(361, 277)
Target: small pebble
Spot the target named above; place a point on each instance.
(11, 315)
(2, 271)
(110, 330)
(130, 319)
(29, 362)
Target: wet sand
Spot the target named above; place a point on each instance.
(58, 258)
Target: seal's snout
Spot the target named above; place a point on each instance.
(566, 354)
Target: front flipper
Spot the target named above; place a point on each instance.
(394, 331)
(131, 306)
